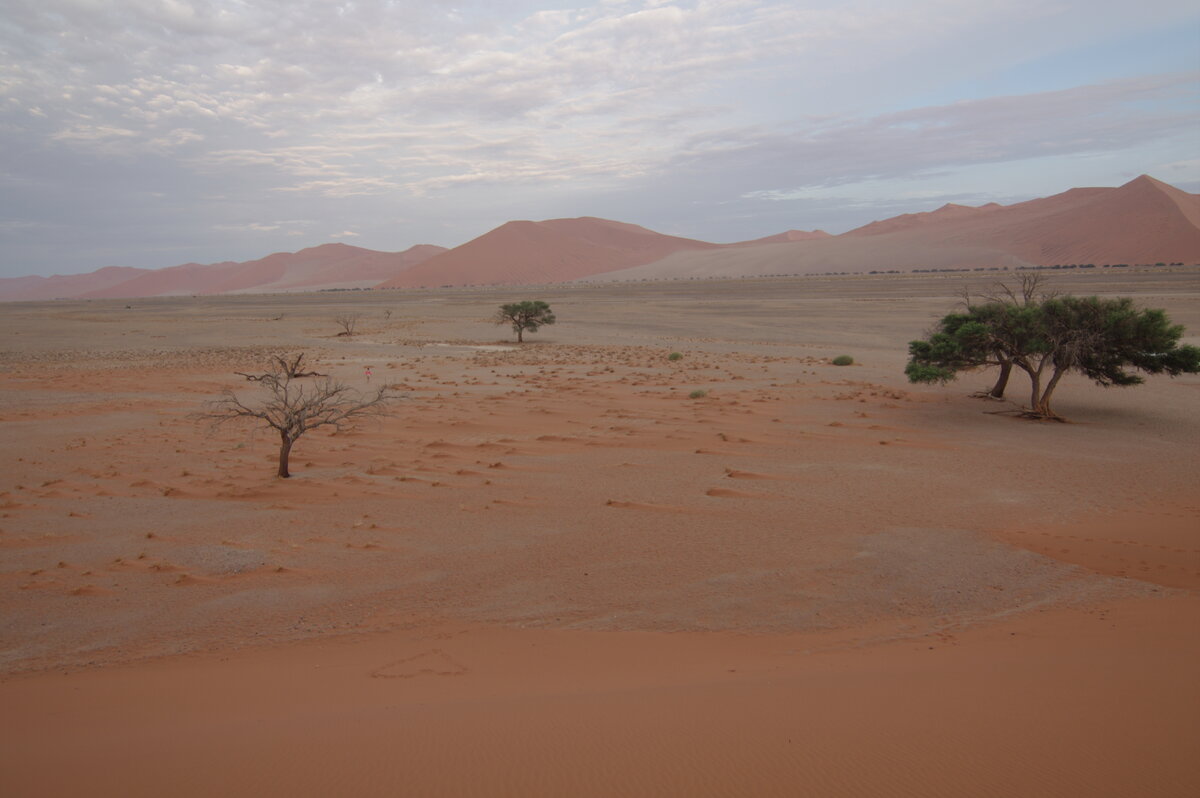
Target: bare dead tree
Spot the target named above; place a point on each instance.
(280, 365)
(1030, 288)
(348, 322)
(292, 408)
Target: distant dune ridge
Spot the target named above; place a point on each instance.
(323, 267)
(1143, 221)
(553, 251)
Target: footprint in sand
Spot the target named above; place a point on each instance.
(428, 663)
(663, 508)
(90, 590)
(735, 474)
(187, 580)
(727, 493)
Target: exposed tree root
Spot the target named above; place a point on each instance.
(1029, 415)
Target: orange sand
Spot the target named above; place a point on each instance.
(1066, 702)
(551, 572)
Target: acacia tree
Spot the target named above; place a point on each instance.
(292, 408)
(1099, 338)
(1027, 291)
(984, 335)
(528, 315)
(1103, 339)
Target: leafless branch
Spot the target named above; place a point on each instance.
(292, 408)
(1030, 288)
(348, 322)
(282, 366)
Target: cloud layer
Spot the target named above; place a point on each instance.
(148, 132)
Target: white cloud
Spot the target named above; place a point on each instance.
(91, 133)
(422, 105)
(254, 227)
(174, 139)
(342, 187)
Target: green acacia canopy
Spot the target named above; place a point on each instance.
(1105, 339)
(528, 315)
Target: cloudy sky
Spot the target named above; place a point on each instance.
(155, 132)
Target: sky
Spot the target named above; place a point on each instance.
(150, 133)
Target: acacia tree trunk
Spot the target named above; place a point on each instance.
(1041, 405)
(285, 451)
(520, 330)
(1035, 381)
(1035, 385)
(1002, 381)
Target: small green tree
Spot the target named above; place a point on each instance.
(1100, 338)
(528, 315)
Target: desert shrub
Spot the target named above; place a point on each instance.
(697, 394)
(348, 322)
(675, 356)
(843, 360)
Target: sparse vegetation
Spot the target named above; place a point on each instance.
(528, 315)
(292, 409)
(698, 394)
(348, 322)
(675, 356)
(843, 360)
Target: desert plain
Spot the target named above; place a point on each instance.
(557, 569)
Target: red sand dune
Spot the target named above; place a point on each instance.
(325, 266)
(785, 237)
(834, 254)
(552, 251)
(1143, 221)
(58, 286)
(338, 265)
(188, 278)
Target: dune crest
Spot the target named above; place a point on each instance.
(315, 268)
(552, 251)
